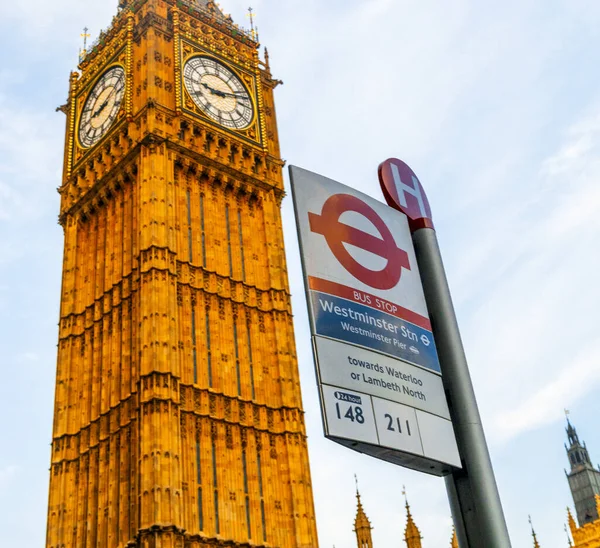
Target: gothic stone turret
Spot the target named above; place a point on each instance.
(584, 479)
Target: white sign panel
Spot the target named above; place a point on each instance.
(377, 365)
(358, 369)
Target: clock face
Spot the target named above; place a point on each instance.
(102, 106)
(218, 92)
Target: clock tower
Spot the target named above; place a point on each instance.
(178, 419)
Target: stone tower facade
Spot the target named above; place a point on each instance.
(584, 479)
(178, 418)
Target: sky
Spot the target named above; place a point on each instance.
(495, 106)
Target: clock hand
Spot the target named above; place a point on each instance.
(103, 105)
(100, 109)
(214, 91)
(239, 95)
(220, 93)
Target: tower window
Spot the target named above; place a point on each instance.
(208, 350)
(246, 493)
(202, 230)
(215, 488)
(217, 525)
(262, 516)
(249, 340)
(199, 482)
(228, 241)
(262, 500)
(194, 351)
(200, 511)
(241, 238)
(198, 465)
(237, 356)
(248, 525)
(189, 220)
(260, 482)
(245, 470)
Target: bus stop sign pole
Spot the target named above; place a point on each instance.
(472, 491)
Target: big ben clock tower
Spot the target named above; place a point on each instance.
(178, 418)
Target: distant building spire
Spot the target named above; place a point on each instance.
(536, 544)
(362, 525)
(568, 537)
(412, 535)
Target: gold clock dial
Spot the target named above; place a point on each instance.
(102, 106)
(218, 92)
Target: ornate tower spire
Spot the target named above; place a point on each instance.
(362, 525)
(584, 479)
(412, 535)
(536, 544)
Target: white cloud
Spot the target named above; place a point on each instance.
(532, 332)
(545, 406)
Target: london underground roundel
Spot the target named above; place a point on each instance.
(337, 234)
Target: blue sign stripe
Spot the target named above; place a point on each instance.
(354, 323)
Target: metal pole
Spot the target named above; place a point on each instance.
(472, 491)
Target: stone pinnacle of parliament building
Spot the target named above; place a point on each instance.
(412, 535)
(536, 544)
(178, 417)
(362, 525)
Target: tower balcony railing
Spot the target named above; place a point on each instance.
(215, 13)
(212, 15)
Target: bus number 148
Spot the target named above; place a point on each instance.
(354, 413)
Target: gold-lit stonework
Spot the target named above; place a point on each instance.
(178, 417)
(588, 534)
(412, 535)
(362, 526)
